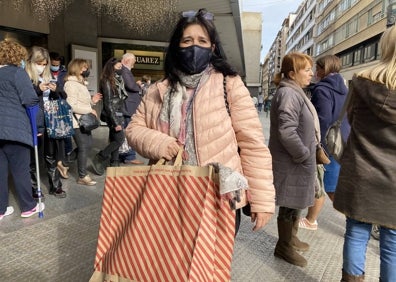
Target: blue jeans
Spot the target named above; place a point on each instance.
(332, 170)
(357, 235)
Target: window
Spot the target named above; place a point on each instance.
(346, 60)
(369, 52)
(357, 57)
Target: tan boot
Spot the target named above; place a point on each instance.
(351, 278)
(86, 180)
(284, 248)
(296, 243)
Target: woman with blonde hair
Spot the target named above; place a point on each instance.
(81, 102)
(366, 190)
(294, 136)
(38, 69)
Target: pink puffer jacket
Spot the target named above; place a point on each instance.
(217, 136)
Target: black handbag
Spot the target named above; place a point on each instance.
(87, 122)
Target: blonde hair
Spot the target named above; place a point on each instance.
(11, 52)
(37, 55)
(75, 66)
(385, 71)
(295, 62)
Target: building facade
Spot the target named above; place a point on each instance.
(349, 29)
(100, 29)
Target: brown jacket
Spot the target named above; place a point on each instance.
(217, 136)
(366, 189)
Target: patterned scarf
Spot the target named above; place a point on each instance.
(178, 103)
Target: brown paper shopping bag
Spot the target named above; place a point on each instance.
(164, 223)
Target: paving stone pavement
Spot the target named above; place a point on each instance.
(61, 246)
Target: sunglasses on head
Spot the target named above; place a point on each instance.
(206, 15)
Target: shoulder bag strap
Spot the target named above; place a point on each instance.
(343, 110)
(225, 96)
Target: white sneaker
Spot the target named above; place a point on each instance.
(10, 210)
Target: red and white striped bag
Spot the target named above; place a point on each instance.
(164, 223)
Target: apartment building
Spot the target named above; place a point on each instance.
(264, 76)
(277, 51)
(350, 29)
(296, 34)
(300, 36)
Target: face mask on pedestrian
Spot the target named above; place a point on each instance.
(40, 69)
(85, 73)
(54, 68)
(194, 59)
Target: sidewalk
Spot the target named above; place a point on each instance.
(62, 245)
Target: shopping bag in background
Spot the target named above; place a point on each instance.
(58, 118)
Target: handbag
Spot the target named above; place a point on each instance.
(334, 142)
(58, 119)
(321, 155)
(164, 223)
(87, 122)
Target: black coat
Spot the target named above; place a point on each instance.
(133, 90)
(113, 104)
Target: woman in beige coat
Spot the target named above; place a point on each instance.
(81, 102)
(189, 108)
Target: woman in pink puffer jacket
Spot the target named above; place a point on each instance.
(189, 108)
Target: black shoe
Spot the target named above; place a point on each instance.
(99, 164)
(58, 193)
(37, 195)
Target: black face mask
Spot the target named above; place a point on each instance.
(194, 59)
(119, 72)
(85, 73)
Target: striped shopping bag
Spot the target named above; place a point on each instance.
(164, 223)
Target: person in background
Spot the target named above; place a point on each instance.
(366, 190)
(328, 98)
(294, 135)
(59, 72)
(255, 101)
(188, 109)
(131, 102)
(114, 95)
(16, 137)
(260, 99)
(38, 69)
(81, 102)
(146, 82)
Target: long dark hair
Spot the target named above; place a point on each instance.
(218, 59)
(108, 74)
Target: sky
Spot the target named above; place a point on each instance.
(273, 14)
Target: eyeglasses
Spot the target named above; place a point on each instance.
(206, 15)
